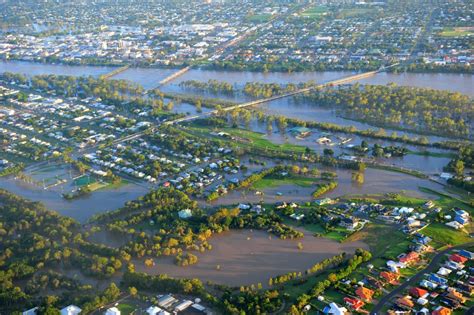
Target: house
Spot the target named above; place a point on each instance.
(423, 239)
(365, 294)
(70, 310)
(112, 311)
(466, 254)
(324, 201)
(467, 288)
(349, 223)
(30, 311)
(428, 284)
(324, 140)
(300, 131)
(444, 271)
(418, 292)
(394, 265)
(410, 258)
(182, 306)
(453, 294)
(390, 277)
(437, 279)
(422, 301)
(335, 309)
(405, 302)
(441, 310)
(155, 310)
(461, 220)
(458, 258)
(354, 304)
(297, 217)
(185, 214)
(166, 301)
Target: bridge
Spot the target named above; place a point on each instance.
(247, 104)
(174, 76)
(277, 97)
(115, 72)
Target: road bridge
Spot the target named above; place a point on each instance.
(115, 72)
(252, 103)
(174, 76)
(277, 97)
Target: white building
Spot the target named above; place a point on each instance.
(70, 310)
(112, 311)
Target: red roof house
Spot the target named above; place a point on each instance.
(355, 304)
(364, 294)
(441, 310)
(458, 258)
(410, 258)
(390, 277)
(418, 292)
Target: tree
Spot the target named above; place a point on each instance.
(199, 106)
(132, 291)
(459, 168)
(149, 262)
(328, 152)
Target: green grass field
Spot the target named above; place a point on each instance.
(276, 182)
(84, 180)
(443, 235)
(125, 309)
(355, 12)
(315, 12)
(259, 18)
(383, 240)
(251, 139)
(457, 32)
(258, 140)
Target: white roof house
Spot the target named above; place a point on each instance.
(185, 214)
(70, 310)
(335, 309)
(112, 311)
(31, 311)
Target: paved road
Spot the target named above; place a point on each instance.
(433, 265)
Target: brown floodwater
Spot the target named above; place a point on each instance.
(248, 257)
(376, 182)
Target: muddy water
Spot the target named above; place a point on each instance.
(376, 182)
(80, 209)
(248, 257)
(150, 77)
(32, 68)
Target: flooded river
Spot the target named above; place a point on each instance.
(149, 77)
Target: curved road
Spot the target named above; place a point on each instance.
(434, 264)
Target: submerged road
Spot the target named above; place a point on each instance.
(433, 265)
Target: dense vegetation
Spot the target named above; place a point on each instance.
(422, 110)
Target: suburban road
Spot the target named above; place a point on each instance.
(433, 265)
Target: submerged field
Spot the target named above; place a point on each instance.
(248, 257)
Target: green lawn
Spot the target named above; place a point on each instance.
(355, 12)
(259, 18)
(315, 12)
(259, 140)
(383, 240)
(444, 235)
(272, 182)
(125, 309)
(447, 202)
(247, 138)
(84, 180)
(457, 32)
